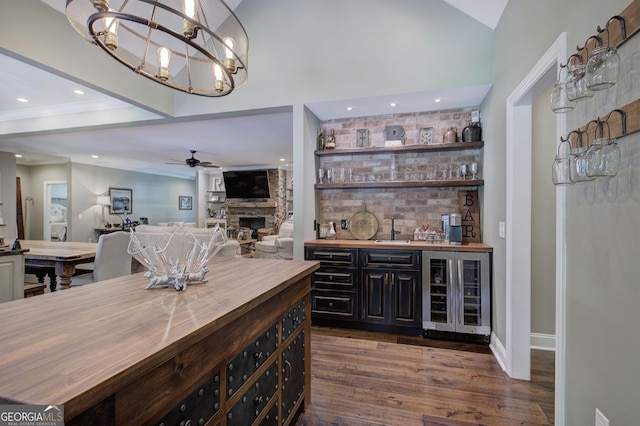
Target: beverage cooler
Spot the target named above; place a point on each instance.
(456, 293)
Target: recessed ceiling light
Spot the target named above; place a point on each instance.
(78, 92)
(22, 100)
(95, 156)
(436, 100)
(392, 104)
(18, 155)
(349, 108)
(283, 159)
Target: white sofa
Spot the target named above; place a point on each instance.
(276, 246)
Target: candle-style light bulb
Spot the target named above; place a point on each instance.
(217, 72)
(164, 55)
(229, 61)
(188, 28)
(111, 34)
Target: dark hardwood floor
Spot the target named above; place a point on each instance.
(364, 378)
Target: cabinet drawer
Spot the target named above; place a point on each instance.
(342, 257)
(335, 305)
(335, 279)
(393, 258)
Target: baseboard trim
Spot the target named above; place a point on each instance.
(543, 342)
(498, 351)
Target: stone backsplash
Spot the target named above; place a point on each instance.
(411, 207)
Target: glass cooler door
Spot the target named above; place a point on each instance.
(438, 285)
(473, 315)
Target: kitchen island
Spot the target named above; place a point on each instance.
(231, 351)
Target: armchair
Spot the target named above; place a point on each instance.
(276, 246)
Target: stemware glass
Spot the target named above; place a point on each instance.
(464, 170)
(473, 168)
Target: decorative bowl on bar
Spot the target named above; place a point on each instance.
(175, 256)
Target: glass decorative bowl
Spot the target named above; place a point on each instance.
(175, 256)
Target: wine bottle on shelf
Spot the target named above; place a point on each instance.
(321, 140)
(330, 141)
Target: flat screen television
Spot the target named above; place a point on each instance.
(246, 184)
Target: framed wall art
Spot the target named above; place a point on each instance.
(426, 135)
(185, 203)
(121, 201)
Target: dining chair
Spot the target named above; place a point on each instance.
(112, 259)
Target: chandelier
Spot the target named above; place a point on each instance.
(195, 46)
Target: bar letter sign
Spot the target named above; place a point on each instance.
(470, 210)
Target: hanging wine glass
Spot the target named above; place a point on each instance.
(603, 66)
(577, 89)
(578, 162)
(560, 102)
(561, 169)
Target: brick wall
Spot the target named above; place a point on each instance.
(411, 207)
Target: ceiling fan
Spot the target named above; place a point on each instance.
(193, 161)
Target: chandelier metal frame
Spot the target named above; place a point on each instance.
(204, 61)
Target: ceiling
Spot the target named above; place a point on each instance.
(230, 142)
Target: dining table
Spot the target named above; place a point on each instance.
(58, 259)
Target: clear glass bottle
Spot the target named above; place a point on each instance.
(330, 141)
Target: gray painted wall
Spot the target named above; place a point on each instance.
(602, 288)
(543, 218)
(155, 197)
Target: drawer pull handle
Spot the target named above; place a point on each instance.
(331, 304)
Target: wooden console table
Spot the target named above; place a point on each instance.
(232, 351)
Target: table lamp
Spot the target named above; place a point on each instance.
(103, 200)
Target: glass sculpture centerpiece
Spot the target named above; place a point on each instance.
(175, 256)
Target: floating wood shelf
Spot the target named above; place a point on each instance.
(405, 148)
(402, 184)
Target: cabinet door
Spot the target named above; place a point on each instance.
(473, 277)
(293, 375)
(406, 297)
(438, 284)
(375, 297)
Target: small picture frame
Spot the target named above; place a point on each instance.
(426, 136)
(185, 203)
(362, 138)
(223, 212)
(121, 201)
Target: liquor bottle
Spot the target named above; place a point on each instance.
(330, 142)
(321, 140)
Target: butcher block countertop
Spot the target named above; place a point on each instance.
(78, 346)
(413, 245)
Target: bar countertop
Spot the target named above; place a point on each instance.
(397, 245)
(75, 347)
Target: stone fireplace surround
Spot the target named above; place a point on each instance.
(271, 210)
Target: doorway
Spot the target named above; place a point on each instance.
(518, 238)
(55, 214)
